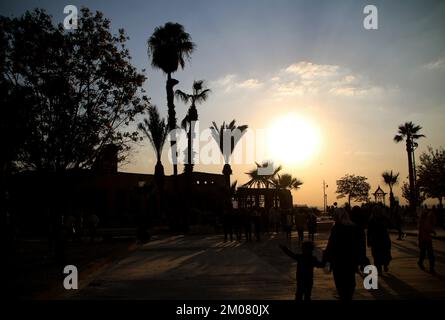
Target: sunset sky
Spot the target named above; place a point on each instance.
(308, 61)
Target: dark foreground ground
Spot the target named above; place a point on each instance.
(205, 267)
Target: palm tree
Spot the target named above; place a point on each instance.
(410, 133)
(169, 47)
(391, 180)
(199, 94)
(262, 180)
(221, 135)
(156, 131)
(285, 181)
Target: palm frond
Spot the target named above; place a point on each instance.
(169, 46)
(155, 129)
(182, 96)
(398, 138)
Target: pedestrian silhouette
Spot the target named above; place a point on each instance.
(379, 240)
(306, 262)
(426, 229)
(288, 225)
(256, 216)
(228, 225)
(344, 252)
(300, 222)
(247, 221)
(311, 225)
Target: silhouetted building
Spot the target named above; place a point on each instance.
(380, 196)
(119, 199)
(264, 198)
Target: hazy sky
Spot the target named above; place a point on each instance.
(265, 60)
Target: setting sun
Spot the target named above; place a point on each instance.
(292, 140)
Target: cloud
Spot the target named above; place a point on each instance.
(225, 83)
(250, 83)
(305, 78)
(355, 91)
(231, 82)
(439, 64)
(309, 70)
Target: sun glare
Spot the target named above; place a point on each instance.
(292, 140)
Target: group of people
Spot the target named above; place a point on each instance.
(74, 226)
(345, 253)
(258, 220)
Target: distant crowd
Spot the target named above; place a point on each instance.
(255, 221)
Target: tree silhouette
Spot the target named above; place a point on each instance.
(431, 174)
(285, 181)
(353, 187)
(79, 89)
(391, 180)
(199, 94)
(227, 136)
(169, 47)
(410, 133)
(406, 193)
(156, 131)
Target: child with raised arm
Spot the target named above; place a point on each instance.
(306, 262)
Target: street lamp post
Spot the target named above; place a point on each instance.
(325, 196)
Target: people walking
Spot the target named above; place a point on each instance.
(256, 217)
(344, 253)
(289, 224)
(379, 240)
(311, 222)
(426, 229)
(300, 222)
(306, 262)
(247, 222)
(397, 220)
(228, 225)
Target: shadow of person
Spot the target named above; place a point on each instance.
(403, 290)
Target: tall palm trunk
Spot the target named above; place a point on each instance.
(227, 171)
(193, 118)
(412, 191)
(172, 120)
(391, 196)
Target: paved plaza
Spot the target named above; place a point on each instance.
(206, 267)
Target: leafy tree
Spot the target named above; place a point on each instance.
(410, 132)
(353, 187)
(73, 92)
(406, 193)
(169, 46)
(431, 174)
